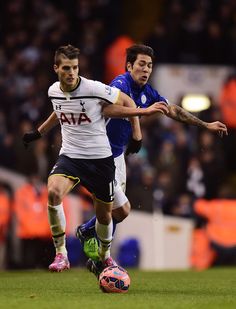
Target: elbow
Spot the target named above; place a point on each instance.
(173, 111)
(129, 103)
(106, 112)
(126, 101)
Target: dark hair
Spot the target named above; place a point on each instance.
(133, 51)
(67, 51)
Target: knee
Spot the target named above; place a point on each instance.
(122, 212)
(54, 195)
(104, 218)
(125, 210)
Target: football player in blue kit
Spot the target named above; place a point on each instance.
(134, 82)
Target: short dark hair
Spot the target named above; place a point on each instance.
(133, 51)
(68, 51)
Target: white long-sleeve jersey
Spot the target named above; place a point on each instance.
(80, 114)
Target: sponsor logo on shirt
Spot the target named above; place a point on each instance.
(74, 119)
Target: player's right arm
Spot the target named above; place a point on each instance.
(48, 124)
(43, 129)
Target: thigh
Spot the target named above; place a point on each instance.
(120, 175)
(63, 176)
(96, 175)
(61, 184)
(66, 168)
(99, 177)
(120, 199)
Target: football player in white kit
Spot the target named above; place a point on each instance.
(85, 156)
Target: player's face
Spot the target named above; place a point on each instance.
(67, 72)
(141, 69)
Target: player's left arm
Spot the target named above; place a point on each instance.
(121, 105)
(126, 101)
(120, 109)
(178, 113)
(126, 107)
(135, 142)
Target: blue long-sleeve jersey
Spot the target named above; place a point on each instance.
(119, 130)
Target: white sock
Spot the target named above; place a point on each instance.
(104, 233)
(57, 221)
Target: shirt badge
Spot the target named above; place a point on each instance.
(108, 90)
(143, 99)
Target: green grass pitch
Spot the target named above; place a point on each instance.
(77, 288)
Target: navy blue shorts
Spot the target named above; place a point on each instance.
(96, 175)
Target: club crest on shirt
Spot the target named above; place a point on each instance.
(143, 99)
(82, 104)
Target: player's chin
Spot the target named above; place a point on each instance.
(143, 82)
(71, 83)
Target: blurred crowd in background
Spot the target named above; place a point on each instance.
(177, 164)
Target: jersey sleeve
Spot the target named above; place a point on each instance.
(121, 84)
(53, 90)
(157, 97)
(105, 92)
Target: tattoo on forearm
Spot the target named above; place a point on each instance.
(178, 113)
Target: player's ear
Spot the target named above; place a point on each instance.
(129, 66)
(55, 67)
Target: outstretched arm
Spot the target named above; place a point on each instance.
(126, 107)
(48, 124)
(120, 109)
(178, 113)
(44, 128)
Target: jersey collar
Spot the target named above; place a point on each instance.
(77, 86)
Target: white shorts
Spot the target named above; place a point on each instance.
(119, 191)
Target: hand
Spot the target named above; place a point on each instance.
(158, 107)
(133, 146)
(30, 137)
(218, 127)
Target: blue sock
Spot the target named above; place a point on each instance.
(89, 226)
(115, 222)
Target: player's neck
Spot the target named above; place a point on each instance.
(69, 88)
(135, 82)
